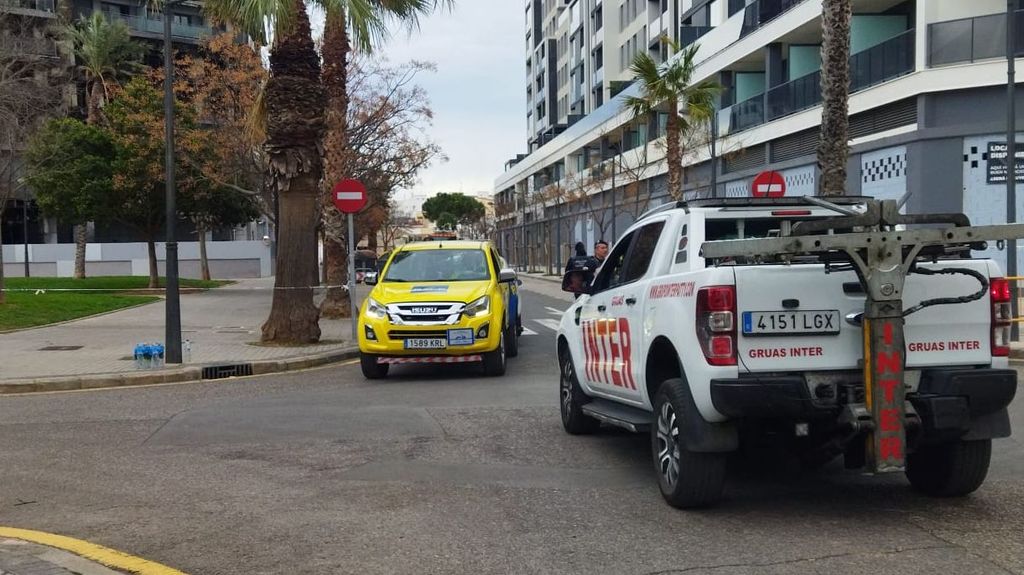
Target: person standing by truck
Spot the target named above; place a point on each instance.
(579, 270)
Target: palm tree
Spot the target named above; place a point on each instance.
(833, 150)
(106, 54)
(293, 101)
(364, 23)
(668, 88)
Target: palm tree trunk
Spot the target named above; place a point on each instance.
(95, 105)
(295, 107)
(154, 272)
(833, 150)
(335, 48)
(204, 262)
(81, 239)
(673, 154)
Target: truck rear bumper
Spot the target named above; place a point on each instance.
(951, 403)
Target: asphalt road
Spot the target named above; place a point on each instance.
(438, 472)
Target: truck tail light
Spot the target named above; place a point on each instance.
(716, 324)
(999, 290)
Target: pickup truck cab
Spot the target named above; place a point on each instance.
(440, 302)
(708, 356)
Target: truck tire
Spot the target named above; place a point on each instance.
(496, 361)
(372, 369)
(949, 469)
(571, 399)
(512, 337)
(687, 479)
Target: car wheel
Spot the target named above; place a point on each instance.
(496, 361)
(513, 341)
(571, 400)
(519, 325)
(372, 369)
(687, 479)
(949, 469)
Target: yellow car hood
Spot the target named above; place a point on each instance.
(465, 292)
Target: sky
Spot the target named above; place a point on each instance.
(478, 92)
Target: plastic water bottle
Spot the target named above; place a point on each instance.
(186, 351)
(138, 355)
(158, 356)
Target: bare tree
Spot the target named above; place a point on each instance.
(30, 74)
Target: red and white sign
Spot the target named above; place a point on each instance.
(349, 196)
(769, 184)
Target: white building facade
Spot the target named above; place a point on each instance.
(927, 106)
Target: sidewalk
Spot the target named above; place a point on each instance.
(24, 558)
(222, 325)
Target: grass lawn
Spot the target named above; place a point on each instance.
(112, 283)
(28, 309)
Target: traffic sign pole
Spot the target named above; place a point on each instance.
(352, 276)
(349, 198)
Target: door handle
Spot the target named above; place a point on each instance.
(601, 308)
(631, 300)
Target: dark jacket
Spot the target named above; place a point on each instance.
(579, 272)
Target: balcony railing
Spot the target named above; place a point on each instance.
(746, 114)
(761, 12)
(690, 34)
(29, 5)
(880, 63)
(155, 25)
(971, 39)
(29, 45)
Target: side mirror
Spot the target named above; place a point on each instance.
(507, 275)
(576, 282)
(370, 279)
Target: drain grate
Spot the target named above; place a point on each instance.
(60, 348)
(223, 371)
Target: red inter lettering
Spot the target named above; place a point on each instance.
(888, 362)
(890, 448)
(614, 365)
(889, 389)
(627, 355)
(887, 336)
(889, 420)
(593, 355)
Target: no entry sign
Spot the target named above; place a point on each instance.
(349, 196)
(769, 184)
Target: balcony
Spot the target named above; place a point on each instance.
(761, 12)
(154, 27)
(746, 114)
(30, 45)
(972, 39)
(880, 63)
(690, 34)
(43, 8)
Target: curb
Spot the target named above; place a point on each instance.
(175, 375)
(544, 278)
(91, 551)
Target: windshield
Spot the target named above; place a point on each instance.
(438, 265)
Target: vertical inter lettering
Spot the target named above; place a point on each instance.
(625, 348)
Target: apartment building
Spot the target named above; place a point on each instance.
(578, 54)
(927, 115)
(31, 27)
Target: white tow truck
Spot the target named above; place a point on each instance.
(707, 352)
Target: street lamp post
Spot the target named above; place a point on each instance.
(615, 159)
(1011, 158)
(172, 321)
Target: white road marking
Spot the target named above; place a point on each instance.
(528, 331)
(551, 324)
(554, 311)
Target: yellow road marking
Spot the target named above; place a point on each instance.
(109, 557)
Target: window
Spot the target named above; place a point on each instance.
(611, 271)
(438, 265)
(643, 250)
